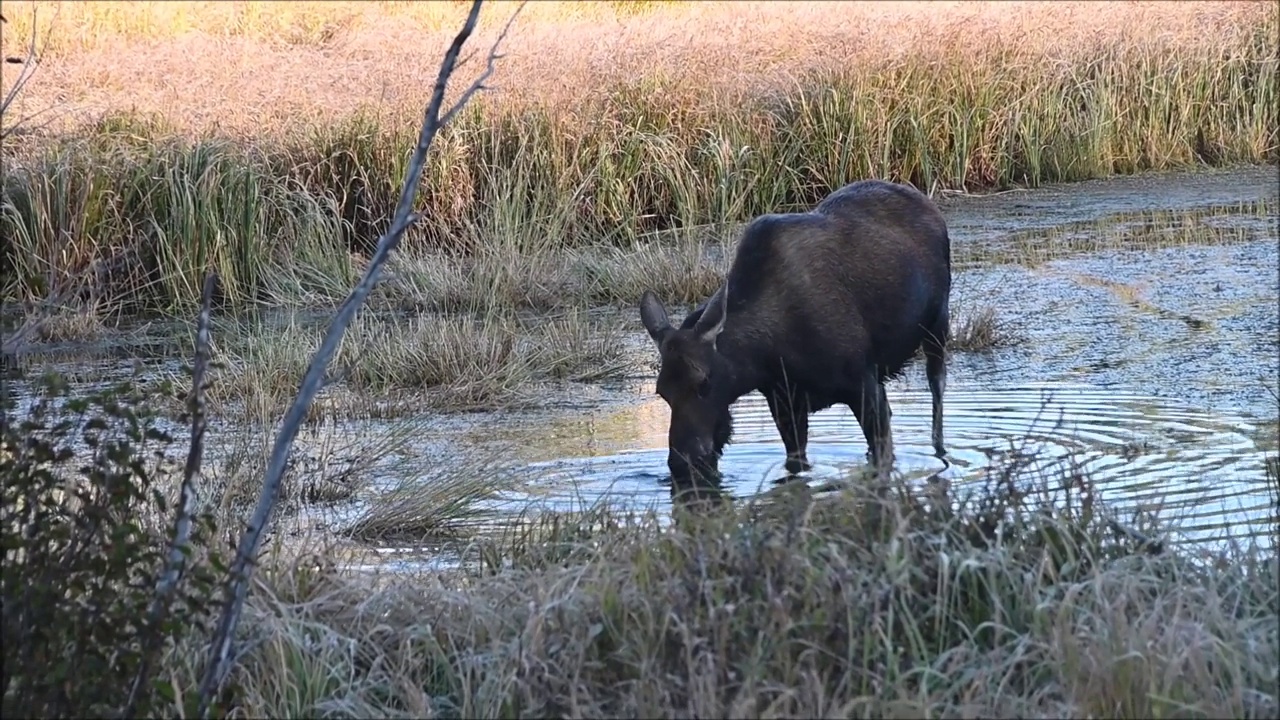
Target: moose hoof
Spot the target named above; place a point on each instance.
(883, 462)
(796, 465)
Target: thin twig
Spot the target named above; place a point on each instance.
(238, 581)
(186, 503)
(34, 320)
(29, 66)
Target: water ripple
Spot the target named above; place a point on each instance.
(1139, 451)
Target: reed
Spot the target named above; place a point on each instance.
(608, 123)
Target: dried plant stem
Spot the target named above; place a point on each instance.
(237, 583)
(186, 504)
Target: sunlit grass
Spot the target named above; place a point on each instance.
(606, 123)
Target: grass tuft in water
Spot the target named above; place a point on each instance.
(394, 365)
(978, 330)
(330, 462)
(440, 505)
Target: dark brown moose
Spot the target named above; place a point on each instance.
(819, 308)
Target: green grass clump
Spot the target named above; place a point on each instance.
(132, 221)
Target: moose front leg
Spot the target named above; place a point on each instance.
(790, 411)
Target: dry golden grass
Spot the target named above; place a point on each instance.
(268, 139)
(250, 68)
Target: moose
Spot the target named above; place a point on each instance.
(818, 308)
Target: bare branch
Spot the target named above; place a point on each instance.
(186, 503)
(29, 65)
(479, 85)
(35, 319)
(238, 582)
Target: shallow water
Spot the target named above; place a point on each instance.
(1145, 350)
(1139, 450)
(1149, 366)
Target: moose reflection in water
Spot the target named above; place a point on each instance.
(818, 308)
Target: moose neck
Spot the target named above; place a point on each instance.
(735, 372)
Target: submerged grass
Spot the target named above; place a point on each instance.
(1143, 230)
(609, 125)
(330, 462)
(849, 604)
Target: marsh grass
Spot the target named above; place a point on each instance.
(1013, 596)
(448, 502)
(396, 365)
(979, 329)
(687, 270)
(978, 325)
(147, 214)
(686, 267)
(607, 127)
(850, 604)
(71, 326)
(331, 463)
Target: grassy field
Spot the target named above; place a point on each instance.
(610, 127)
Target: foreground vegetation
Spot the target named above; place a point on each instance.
(606, 131)
(1020, 599)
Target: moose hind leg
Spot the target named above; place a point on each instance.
(790, 411)
(871, 409)
(935, 352)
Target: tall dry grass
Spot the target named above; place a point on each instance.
(606, 122)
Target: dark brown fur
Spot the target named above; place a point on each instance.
(818, 308)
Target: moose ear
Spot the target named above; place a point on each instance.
(654, 316)
(712, 320)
